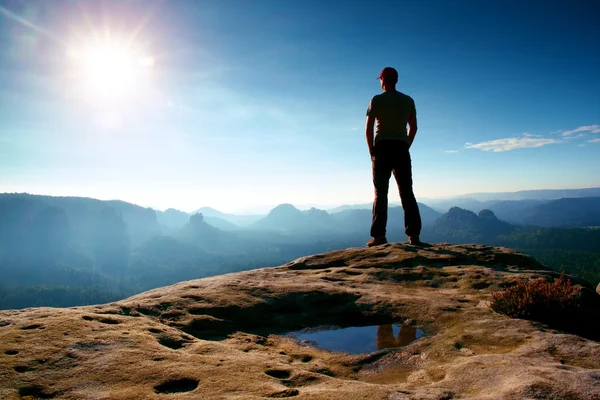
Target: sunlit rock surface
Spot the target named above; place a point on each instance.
(221, 337)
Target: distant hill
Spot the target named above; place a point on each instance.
(566, 212)
(318, 219)
(221, 223)
(281, 218)
(208, 212)
(83, 212)
(241, 220)
(464, 226)
(480, 201)
(361, 206)
(172, 219)
(545, 194)
(287, 218)
(511, 210)
(574, 212)
(444, 205)
(357, 219)
(201, 234)
(85, 228)
(508, 210)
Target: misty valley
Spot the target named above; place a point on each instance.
(66, 251)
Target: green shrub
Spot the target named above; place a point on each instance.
(552, 303)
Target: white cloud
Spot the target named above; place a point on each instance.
(508, 144)
(573, 137)
(587, 128)
(594, 140)
(450, 151)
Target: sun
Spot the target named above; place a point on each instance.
(110, 71)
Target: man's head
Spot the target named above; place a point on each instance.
(388, 77)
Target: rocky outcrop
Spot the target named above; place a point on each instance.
(221, 337)
(198, 232)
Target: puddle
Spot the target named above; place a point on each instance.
(359, 339)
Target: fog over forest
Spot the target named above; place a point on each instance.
(65, 251)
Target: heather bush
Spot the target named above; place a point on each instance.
(553, 303)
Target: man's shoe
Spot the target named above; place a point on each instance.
(376, 241)
(414, 240)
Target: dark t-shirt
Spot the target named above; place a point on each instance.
(392, 111)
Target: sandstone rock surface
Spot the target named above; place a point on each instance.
(220, 337)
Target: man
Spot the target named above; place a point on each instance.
(388, 147)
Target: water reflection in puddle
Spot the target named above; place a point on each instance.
(359, 339)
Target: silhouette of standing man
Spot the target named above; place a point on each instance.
(388, 147)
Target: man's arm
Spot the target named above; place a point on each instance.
(369, 132)
(412, 127)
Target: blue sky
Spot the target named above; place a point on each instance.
(243, 105)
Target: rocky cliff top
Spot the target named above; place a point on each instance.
(223, 337)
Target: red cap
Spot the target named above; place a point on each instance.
(388, 74)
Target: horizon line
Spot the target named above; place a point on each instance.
(304, 206)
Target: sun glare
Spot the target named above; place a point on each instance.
(110, 72)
